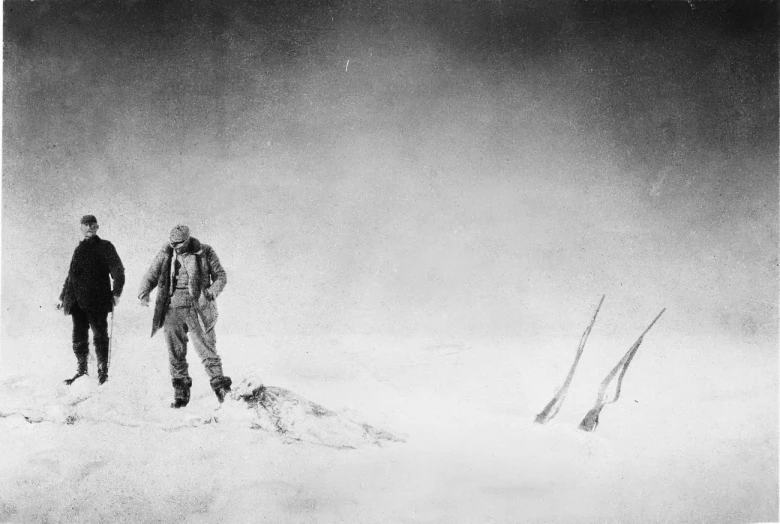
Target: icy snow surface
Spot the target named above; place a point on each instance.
(379, 432)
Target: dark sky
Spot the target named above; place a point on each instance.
(414, 166)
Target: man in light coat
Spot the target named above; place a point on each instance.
(188, 277)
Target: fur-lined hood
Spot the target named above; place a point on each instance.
(193, 247)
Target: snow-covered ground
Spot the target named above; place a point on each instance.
(687, 442)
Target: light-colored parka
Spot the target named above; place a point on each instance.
(205, 272)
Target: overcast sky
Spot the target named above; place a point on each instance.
(403, 167)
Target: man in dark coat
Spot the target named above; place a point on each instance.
(88, 298)
(188, 277)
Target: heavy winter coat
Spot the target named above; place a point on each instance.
(205, 272)
(88, 284)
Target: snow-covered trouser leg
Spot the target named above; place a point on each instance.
(205, 345)
(181, 323)
(175, 329)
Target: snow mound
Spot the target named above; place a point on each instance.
(251, 405)
(282, 412)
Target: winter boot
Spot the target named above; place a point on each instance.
(181, 392)
(81, 369)
(102, 371)
(221, 386)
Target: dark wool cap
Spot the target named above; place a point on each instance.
(88, 219)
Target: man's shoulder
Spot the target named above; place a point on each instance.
(165, 250)
(207, 250)
(106, 245)
(200, 247)
(206, 247)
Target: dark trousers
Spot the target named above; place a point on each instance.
(82, 322)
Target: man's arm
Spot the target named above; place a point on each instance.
(217, 273)
(115, 268)
(66, 285)
(149, 281)
(61, 301)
